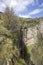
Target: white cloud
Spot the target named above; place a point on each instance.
(2, 6)
(25, 16)
(18, 5)
(36, 11)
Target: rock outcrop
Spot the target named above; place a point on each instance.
(30, 36)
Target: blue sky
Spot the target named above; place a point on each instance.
(24, 8)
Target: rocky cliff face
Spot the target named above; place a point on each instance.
(31, 34)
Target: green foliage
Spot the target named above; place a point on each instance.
(10, 20)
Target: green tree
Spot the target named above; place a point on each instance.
(10, 19)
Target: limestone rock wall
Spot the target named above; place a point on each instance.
(30, 36)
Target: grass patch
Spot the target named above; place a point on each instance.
(29, 48)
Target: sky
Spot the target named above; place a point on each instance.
(24, 8)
